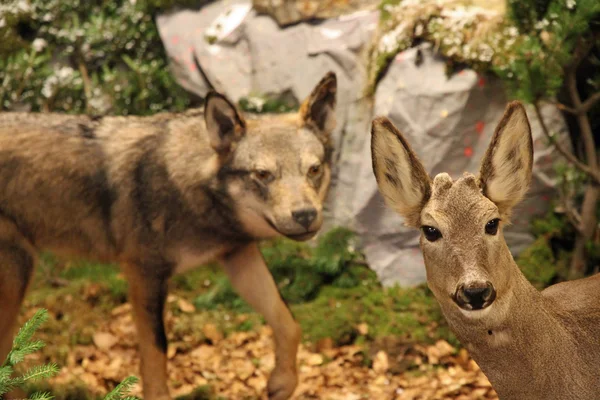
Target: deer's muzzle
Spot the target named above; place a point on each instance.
(475, 295)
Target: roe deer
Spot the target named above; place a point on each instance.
(530, 344)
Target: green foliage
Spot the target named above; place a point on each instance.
(538, 264)
(264, 104)
(200, 393)
(86, 56)
(300, 270)
(533, 65)
(411, 314)
(23, 345)
(525, 13)
(121, 390)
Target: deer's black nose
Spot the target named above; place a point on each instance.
(305, 216)
(475, 295)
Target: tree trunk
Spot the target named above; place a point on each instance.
(588, 227)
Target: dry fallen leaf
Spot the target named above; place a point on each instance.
(104, 340)
(380, 362)
(185, 306)
(363, 329)
(314, 359)
(212, 333)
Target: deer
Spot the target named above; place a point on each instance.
(530, 344)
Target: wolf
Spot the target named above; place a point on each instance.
(159, 195)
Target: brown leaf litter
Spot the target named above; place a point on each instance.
(238, 366)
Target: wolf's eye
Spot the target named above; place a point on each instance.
(315, 170)
(491, 228)
(263, 175)
(432, 234)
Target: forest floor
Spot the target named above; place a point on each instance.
(363, 342)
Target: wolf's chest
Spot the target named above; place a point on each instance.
(187, 258)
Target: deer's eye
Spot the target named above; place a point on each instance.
(315, 170)
(263, 175)
(491, 228)
(432, 234)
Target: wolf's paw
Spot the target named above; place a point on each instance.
(282, 384)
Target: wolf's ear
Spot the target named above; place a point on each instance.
(505, 171)
(401, 177)
(224, 123)
(318, 110)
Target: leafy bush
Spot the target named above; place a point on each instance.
(86, 56)
(300, 270)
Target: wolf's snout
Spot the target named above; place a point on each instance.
(305, 216)
(475, 295)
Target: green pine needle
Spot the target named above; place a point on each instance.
(40, 372)
(41, 396)
(29, 328)
(121, 390)
(19, 354)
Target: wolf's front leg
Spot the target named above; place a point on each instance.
(250, 277)
(147, 294)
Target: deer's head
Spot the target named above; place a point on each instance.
(469, 266)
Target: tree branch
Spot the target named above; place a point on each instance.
(574, 219)
(566, 108)
(582, 119)
(589, 103)
(567, 154)
(586, 106)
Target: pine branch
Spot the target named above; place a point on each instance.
(39, 372)
(19, 354)
(41, 396)
(29, 328)
(121, 390)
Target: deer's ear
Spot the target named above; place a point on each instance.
(505, 172)
(318, 110)
(224, 123)
(401, 177)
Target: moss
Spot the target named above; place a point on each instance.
(200, 393)
(409, 313)
(537, 263)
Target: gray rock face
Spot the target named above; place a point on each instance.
(449, 121)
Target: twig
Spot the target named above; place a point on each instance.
(583, 121)
(567, 154)
(589, 103)
(585, 106)
(566, 108)
(573, 216)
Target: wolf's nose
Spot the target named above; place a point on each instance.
(475, 295)
(305, 216)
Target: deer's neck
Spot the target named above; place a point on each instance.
(519, 341)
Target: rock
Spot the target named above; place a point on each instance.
(287, 12)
